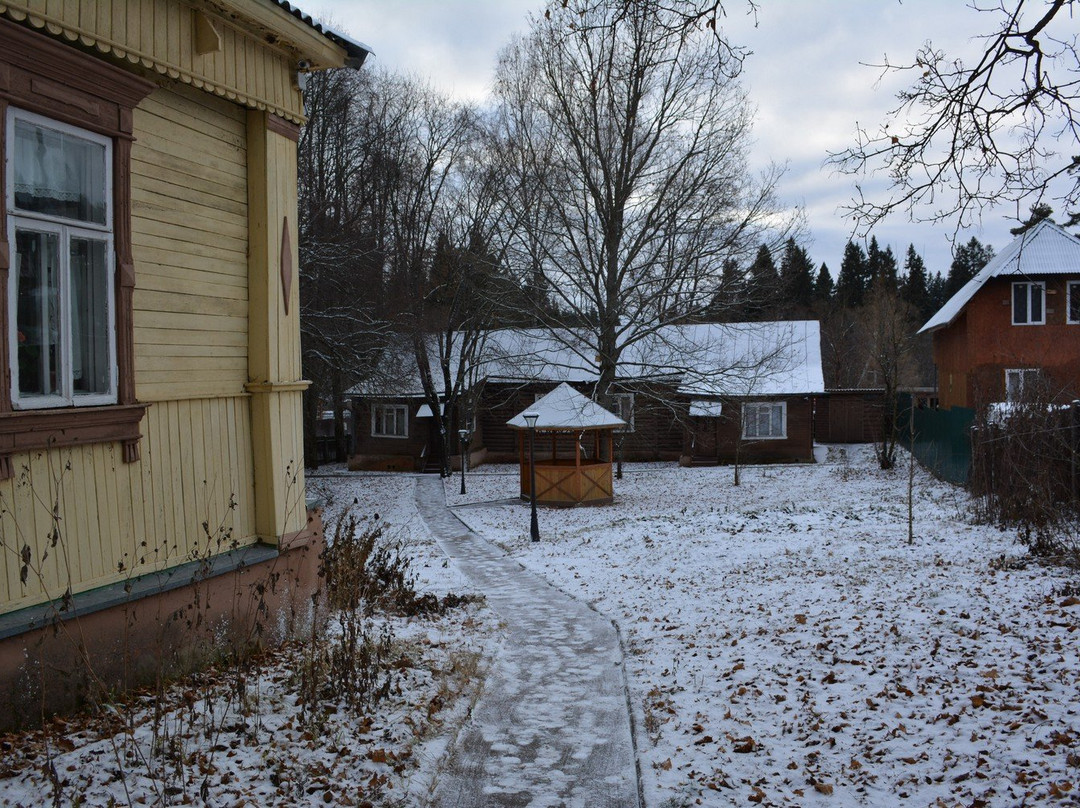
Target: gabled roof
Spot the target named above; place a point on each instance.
(566, 408)
(1045, 249)
(703, 360)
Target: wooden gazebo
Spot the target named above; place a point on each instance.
(573, 449)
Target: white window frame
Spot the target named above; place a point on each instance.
(1019, 373)
(401, 415)
(621, 402)
(749, 407)
(1073, 299)
(1030, 287)
(65, 229)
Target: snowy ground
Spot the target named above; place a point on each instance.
(216, 744)
(786, 646)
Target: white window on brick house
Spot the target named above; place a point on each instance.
(60, 288)
(1028, 303)
(764, 420)
(1074, 301)
(1021, 383)
(390, 421)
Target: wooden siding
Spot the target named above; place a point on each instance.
(723, 436)
(118, 519)
(274, 330)
(189, 240)
(848, 416)
(160, 35)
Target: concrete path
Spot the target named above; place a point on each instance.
(552, 728)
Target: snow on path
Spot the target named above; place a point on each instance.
(552, 727)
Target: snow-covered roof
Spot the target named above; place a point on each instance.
(1045, 249)
(566, 408)
(704, 360)
(706, 409)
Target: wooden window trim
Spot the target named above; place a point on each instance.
(56, 80)
(753, 405)
(401, 409)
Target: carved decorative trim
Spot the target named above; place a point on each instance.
(286, 264)
(31, 430)
(280, 126)
(62, 83)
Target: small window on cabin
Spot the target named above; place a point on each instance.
(1021, 384)
(764, 420)
(390, 421)
(62, 338)
(1027, 303)
(1074, 301)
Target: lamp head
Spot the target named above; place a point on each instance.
(530, 418)
(463, 433)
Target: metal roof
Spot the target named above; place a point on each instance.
(566, 408)
(357, 52)
(1045, 249)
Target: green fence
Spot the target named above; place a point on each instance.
(942, 439)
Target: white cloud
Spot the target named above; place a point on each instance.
(808, 78)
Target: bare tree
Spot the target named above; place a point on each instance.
(341, 172)
(887, 325)
(443, 263)
(625, 143)
(970, 135)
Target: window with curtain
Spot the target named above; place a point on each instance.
(764, 420)
(60, 286)
(390, 421)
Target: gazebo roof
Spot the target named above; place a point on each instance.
(566, 408)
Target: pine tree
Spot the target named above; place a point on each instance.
(915, 290)
(728, 302)
(1039, 212)
(764, 282)
(854, 277)
(823, 286)
(968, 259)
(796, 277)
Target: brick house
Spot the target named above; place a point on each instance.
(1014, 325)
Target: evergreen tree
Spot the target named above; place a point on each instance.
(796, 277)
(1039, 212)
(915, 289)
(935, 291)
(968, 259)
(823, 286)
(764, 283)
(854, 277)
(728, 302)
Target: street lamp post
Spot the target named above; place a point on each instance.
(530, 419)
(464, 435)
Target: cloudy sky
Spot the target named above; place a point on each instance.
(808, 77)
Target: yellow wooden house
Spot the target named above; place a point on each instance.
(150, 404)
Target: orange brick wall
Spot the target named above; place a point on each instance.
(973, 353)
